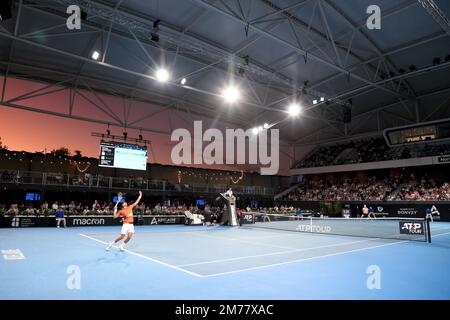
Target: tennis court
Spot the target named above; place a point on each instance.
(217, 262)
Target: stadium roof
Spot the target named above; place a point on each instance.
(276, 52)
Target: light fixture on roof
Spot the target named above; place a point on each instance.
(162, 75)
(255, 130)
(183, 81)
(231, 94)
(260, 128)
(322, 99)
(154, 34)
(266, 126)
(95, 55)
(314, 101)
(294, 110)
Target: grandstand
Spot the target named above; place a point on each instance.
(261, 147)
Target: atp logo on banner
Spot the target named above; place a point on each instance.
(411, 227)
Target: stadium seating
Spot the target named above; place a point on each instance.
(368, 150)
(374, 189)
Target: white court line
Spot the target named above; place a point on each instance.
(305, 259)
(264, 266)
(148, 258)
(289, 251)
(273, 253)
(437, 235)
(316, 257)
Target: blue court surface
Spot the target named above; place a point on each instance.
(187, 262)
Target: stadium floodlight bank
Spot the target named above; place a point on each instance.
(412, 229)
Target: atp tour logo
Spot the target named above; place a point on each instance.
(380, 209)
(15, 222)
(411, 227)
(310, 228)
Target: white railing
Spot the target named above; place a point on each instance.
(104, 182)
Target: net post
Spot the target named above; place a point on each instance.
(428, 231)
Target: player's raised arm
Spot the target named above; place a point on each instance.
(138, 199)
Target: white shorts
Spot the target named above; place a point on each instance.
(127, 227)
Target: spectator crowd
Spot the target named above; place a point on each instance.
(368, 150)
(396, 189)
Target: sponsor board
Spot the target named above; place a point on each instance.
(25, 222)
(164, 220)
(84, 221)
(87, 221)
(407, 211)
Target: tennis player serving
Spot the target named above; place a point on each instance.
(127, 227)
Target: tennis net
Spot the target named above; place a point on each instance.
(384, 228)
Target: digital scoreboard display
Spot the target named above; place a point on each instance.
(122, 155)
(33, 197)
(433, 131)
